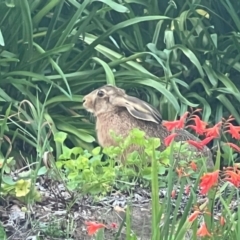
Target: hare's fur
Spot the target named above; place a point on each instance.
(115, 110)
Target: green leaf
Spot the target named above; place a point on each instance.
(83, 135)
(203, 83)
(62, 98)
(72, 22)
(42, 171)
(6, 97)
(207, 111)
(1, 39)
(118, 58)
(115, 6)
(210, 74)
(57, 68)
(56, 50)
(8, 180)
(43, 12)
(60, 137)
(191, 56)
(27, 26)
(110, 31)
(180, 96)
(228, 83)
(96, 151)
(109, 74)
(3, 235)
(76, 151)
(228, 105)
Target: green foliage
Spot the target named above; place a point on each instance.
(2, 233)
(22, 186)
(19, 187)
(84, 171)
(171, 54)
(54, 227)
(171, 225)
(88, 172)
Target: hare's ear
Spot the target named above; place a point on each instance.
(137, 108)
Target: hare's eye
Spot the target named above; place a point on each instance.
(100, 93)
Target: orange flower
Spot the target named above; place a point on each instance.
(234, 131)
(232, 177)
(233, 146)
(207, 140)
(193, 165)
(193, 216)
(92, 227)
(213, 131)
(170, 125)
(196, 144)
(200, 144)
(208, 180)
(203, 231)
(169, 139)
(199, 126)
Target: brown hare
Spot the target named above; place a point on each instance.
(115, 110)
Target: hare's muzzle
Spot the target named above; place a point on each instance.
(87, 103)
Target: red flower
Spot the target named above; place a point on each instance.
(199, 126)
(232, 177)
(170, 125)
(214, 131)
(92, 227)
(203, 231)
(233, 146)
(208, 180)
(200, 144)
(169, 139)
(207, 140)
(196, 144)
(193, 165)
(234, 131)
(193, 216)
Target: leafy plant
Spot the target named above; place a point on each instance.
(171, 54)
(2, 233)
(89, 173)
(198, 218)
(85, 171)
(22, 185)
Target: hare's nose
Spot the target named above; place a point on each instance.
(84, 100)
